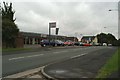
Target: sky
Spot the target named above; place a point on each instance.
(73, 18)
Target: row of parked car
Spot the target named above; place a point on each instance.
(61, 43)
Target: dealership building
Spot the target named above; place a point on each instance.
(29, 38)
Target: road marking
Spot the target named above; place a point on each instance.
(34, 55)
(25, 57)
(56, 52)
(78, 55)
(64, 51)
(16, 58)
(59, 52)
(84, 77)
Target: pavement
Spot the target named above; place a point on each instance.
(28, 74)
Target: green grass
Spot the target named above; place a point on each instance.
(110, 66)
(14, 49)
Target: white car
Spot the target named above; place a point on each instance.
(104, 44)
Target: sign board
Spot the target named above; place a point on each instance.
(57, 29)
(52, 25)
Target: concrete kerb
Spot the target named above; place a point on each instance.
(23, 74)
(46, 75)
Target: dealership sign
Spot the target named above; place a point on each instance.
(52, 25)
(57, 29)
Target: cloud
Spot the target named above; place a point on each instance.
(88, 18)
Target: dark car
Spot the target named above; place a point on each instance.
(47, 43)
(78, 43)
(59, 43)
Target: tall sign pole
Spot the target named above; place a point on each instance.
(51, 25)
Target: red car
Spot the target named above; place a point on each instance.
(68, 43)
(86, 44)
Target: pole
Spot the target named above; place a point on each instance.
(49, 34)
(118, 19)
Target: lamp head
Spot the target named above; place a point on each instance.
(110, 10)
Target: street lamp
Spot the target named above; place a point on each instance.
(118, 16)
(113, 10)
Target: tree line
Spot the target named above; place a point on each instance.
(108, 38)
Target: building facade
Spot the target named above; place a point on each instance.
(28, 38)
(89, 39)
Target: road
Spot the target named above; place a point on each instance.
(15, 63)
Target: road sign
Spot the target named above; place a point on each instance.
(52, 25)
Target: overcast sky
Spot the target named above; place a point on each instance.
(72, 18)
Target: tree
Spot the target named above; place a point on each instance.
(110, 38)
(106, 38)
(102, 38)
(9, 28)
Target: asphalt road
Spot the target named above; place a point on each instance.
(85, 65)
(15, 63)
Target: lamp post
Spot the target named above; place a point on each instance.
(118, 16)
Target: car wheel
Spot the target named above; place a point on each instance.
(56, 45)
(44, 45)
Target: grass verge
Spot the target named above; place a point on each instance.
(111, 66)
(14, 49)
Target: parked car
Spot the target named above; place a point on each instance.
(104, 44)
(46, 42)
(69, 43)
(86, 44)
(109, 44)
(78, 43)
(59, 43)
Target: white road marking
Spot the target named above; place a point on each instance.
(35, 55)
(56, 52)
(16, 58)
(63, 51)
(59, 52)
(79, 55)
(84, 77)
(25, 57)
